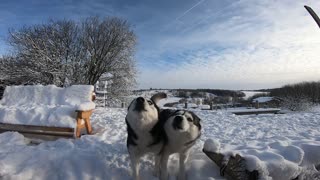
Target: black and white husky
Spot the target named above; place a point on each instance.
(182, 129)
(143, 115)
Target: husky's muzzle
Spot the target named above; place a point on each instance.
(139, 104)
(177, 122)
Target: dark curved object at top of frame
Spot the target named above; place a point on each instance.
(313, 14)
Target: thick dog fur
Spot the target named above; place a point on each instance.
(180, 131)
(143, 115)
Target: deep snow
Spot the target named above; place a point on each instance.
(104, 155)
(45, 105)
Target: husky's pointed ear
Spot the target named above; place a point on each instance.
(157, 97)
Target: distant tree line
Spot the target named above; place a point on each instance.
(217, 92)
(222, 92)
(66, 52)
(308, 90)
(298, 96)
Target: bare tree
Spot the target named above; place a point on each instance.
(48, 50)
(296, 104)
(15, 71)
(109, 44)
(298, 96)
(80, 53)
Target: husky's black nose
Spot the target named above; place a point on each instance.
(140, 99)
(140, 104)
(177, 122)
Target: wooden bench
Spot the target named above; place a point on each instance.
(49, 112)
(256, 111)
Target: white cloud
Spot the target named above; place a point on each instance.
(265, 44)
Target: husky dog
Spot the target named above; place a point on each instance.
(142, 116)
(182, 129)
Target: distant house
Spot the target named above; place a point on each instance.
(266, 102)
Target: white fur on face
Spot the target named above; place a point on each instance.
(188, 132)
(179, 139)
(143, 121)
(185, 125)
(143, 117)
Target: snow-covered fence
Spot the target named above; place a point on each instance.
(48, 106)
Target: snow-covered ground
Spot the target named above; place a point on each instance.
(104, 155)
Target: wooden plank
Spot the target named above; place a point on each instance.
(256, 112)
(31, 131)
(235, 167)
(44, 128)
(43, 136)
(39, 130)
(38, 138)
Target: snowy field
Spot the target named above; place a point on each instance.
(285, 138)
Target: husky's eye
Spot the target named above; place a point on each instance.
(150, 102)
(189, 119)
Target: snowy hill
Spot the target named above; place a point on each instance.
(104, 155)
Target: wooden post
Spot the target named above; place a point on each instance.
(88, 125)
(211, 106)
(256, 105)
(83, 121)
(186, 105)
(80, 125)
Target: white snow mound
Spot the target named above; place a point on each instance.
(44, 105)
(275, 161)
(212, 145)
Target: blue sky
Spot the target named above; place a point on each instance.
(244, 44)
